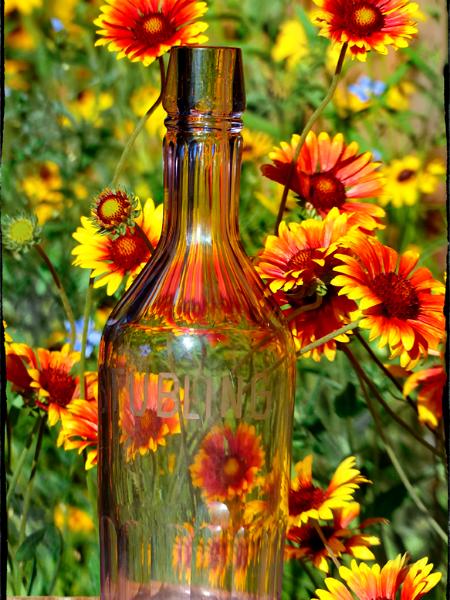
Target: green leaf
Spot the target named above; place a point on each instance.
(347, 403)
(27, 550)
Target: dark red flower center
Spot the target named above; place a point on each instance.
(233, 470)
(398, 297)
(153, 28)
(59, 384)
(128, 251)
(405, 175)
(112, 208)
(325, 192)
(301, 260)
(309, 538)
(363, 18)
(146, 427)
(304, 499)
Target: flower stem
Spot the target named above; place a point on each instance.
(309, 125)
(330, 336)
(140, 126)
(362, 376)
(84, 334)
(148, 243)
(21, 462)
(333, 557)
(26, 503)
(398, 467)
(62, 293)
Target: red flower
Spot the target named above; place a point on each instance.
(431, 383)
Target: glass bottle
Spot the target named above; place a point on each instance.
(196, 374)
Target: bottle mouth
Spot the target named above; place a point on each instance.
(205, 80)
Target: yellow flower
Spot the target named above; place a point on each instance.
(407, 178)
(75, 519)
(64, 11)
(23, 6)
(88, 105)
(20, 233)
(15, 74)
(43, 190)
(291, 44)
(141, 100)
(20, 39)
(398, 96)
(256, 144)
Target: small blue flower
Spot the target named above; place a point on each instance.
(365, 88)
(93, 336)
(57, 25)
(376, 154)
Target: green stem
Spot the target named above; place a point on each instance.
(27, 499)
(309, 125)
(396, 463)
(86, 315)
(330, 336)
(21, 462)
(61, 291)
(140, 126)
(333, 557)
(362, 375)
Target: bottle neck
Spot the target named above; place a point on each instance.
(202, 162)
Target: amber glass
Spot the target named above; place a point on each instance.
(196, 376)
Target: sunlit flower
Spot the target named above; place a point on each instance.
(329, 173)
(43, 188)
(23, 6)
(376, 583)
(398, 96)
(255, 145)
(367, 24)
(430, 383)
(16, 74)
(308, 501)
(75, 519)
(113, 211)
(298, 267)
(142, 430)
(306, 543)
(401, 305)
(20, 233)
(20, 39)
(79, 423)
(407, 178)
(112, 260)
(143, 30)
(140, 102)
(88, 106)
(291, 43)
(55, 384)
(227, 463)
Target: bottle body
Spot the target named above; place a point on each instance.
(196, 390)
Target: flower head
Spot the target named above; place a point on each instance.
(144, 30)
(227, 462)
(142, 429)
(19, 358)
(20, 233)
(407, 178)
(114, 210)
(75, 519)
(376, 583)
(111, 260)
(291, 43)
(367, 25)
(329, 173)
(298, 267)
(308, 501)
(396, 299)
(255, 145)
(43, 188)
(431, 384)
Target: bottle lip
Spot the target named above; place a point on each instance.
(205, 47)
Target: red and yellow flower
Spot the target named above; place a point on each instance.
(308, 501)
(19, 358)
(431, 383)
(144, 30)
(298, 267)
(112, 260)
(306, 543)
(329, 173)
(367, 25)
(376, 583)
(142, 430)
(395, 298)
(79, 423)
(227, 463)
(52, 378)
(114, 211)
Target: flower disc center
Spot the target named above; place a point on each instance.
(231, 467)
(305, 499)
(59, 384)
(398, 297)
(153, 29)
(326, 191)
(406, 175)
(128, 251)
(365, 19)
(21, 231)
